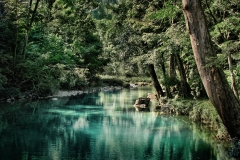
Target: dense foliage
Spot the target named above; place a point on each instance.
(138, 33)
(62, 44)
(47, 45)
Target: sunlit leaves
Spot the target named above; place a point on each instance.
(152, 39)
(169, 11)
(229, 29)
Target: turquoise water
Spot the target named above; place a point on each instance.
(98, 126)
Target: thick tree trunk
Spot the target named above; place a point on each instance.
(185, 88)
(214, 81)
(155, 81)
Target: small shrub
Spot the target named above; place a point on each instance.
(170, 81)
(112, 82)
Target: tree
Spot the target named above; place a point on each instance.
(214, 81)
(30, 20)
(185, 88)
(165, 77)
(225, 35)
(45, 45)
(156, 83)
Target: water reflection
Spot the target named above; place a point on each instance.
(97, 126)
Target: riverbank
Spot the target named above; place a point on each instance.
(64, 93)
(198, 110)
(106, 84)
(201, 111)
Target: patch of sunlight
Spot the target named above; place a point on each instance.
(65, 112)
(81, 123)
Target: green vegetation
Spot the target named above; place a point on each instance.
(46, 46)
(123, 81)
(51, 45)
(200, 111)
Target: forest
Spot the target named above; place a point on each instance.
(51, 45)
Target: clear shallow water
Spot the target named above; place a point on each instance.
(98, 126)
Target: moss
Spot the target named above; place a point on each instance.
(200, 111)
(182, 107)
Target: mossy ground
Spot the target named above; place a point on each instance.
(199, 111)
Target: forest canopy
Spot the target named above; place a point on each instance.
(49, 45)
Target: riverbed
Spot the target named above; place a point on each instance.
(100, 126)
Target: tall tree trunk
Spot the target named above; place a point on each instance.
(169, 95)
(16, 40)
(172, 71)
(29, 25)
(156, 83)
(185, 88)
(172, 66)
(214, 81)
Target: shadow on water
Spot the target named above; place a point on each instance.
(101, 125)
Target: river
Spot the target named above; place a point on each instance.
(100, 126)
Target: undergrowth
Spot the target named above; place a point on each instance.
(201, 111)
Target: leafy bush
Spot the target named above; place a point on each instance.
(170, 81)
(74, 79)
(112, 82)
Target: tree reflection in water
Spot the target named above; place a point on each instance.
(101, 125)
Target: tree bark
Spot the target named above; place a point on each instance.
(172, 66)
(185, 88)
(156, 84)
(214, 81)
